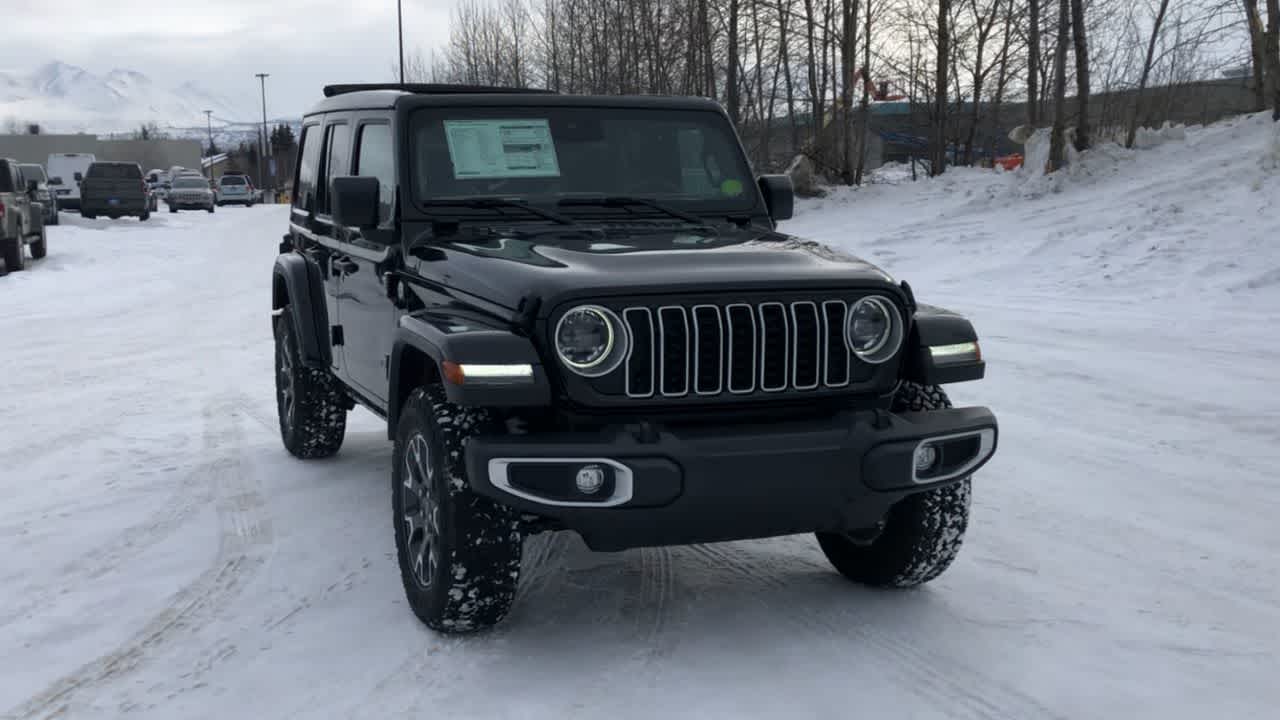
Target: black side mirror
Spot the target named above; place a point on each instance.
(32, 186)
(55, 180)
(779, 195)
(354, 201)
(79, 176)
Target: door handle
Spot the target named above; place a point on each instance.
(345, 266)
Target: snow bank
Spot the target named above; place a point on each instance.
(1195, 215)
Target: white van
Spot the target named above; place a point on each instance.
(65, 171)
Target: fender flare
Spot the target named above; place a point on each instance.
(296, 284)
(423, 343)
(931, 327)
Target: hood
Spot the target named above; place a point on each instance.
(628, 260)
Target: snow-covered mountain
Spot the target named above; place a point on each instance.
(67, 98)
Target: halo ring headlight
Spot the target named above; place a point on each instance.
(591, 340)
(875, 329)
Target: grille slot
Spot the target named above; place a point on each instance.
(738, 348)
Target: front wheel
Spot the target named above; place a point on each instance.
(459, 552)
(310, 402)
(210, 208)
(40, 247)
(145, 216)
(920, 536)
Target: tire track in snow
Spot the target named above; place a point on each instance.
(956, 687)
(243, 544)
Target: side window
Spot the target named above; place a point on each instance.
(377, 160)
(337, 160)
(304, 185)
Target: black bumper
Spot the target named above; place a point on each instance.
(98, 207)
(692, 485)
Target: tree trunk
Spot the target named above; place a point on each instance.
(986, 23)
(1273, 55)
(784, 13)
(1146, 73)
(1258, 53)
(865, 112)
(1058, 144)
(938, 163)
(1082, 75)
(815, 95)
(1002, 76)
(1033, 64)
(731, 78)
(848, 74)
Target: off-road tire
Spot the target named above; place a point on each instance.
(56, 220)
(145, 216)
(469, 582)
(209, 209)
(922, 533)
(173, 209)
(14, 258)
(314, 423)
(40, 247)
(88, 216)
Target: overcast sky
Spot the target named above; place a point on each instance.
(220, 44)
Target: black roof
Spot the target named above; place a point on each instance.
(389, 95)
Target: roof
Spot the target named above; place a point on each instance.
(389, 96)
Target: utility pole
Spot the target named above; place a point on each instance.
(208, 116)
(400, 31)
(262, 157)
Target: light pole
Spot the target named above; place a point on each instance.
(262, 157)
(208, 116)
(400, 31)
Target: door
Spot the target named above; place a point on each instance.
(368, 257)
(305, 227)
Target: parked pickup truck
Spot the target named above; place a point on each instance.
(114, 189)
(21, 220)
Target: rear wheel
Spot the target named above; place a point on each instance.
(145, 216)
(173, 208)
(311, 404)
(14, 258)
(921, 535)
(459, 552)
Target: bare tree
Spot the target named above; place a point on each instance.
(1132, 132)
(864, 120)
(1058, 143)
(1257, 53)
(1033, 63)
(1273, 55)
(1079, 34)
(938, 161)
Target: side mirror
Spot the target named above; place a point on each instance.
(355, 201)
(779, 195)
(32, 186)
(79, 176)
(55, 180)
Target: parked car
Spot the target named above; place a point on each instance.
(66, 171)
(235, 189)
(115, 189)
(42, 194)
(190, 193)
(21, 219)
(578, 313)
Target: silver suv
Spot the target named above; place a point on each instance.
(21, 220)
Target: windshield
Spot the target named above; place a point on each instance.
(115, 172)
(190, 184)
(686, 159)
(32, 172)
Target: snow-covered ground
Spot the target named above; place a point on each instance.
(164, 558)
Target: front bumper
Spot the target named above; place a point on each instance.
(689, 485)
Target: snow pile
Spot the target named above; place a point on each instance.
(1197, 213)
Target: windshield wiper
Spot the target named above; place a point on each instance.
(622, 201)
(498, 203)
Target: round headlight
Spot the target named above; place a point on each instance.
(591, 340)
(875, 329)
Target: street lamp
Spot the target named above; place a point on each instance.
(400, 31)
(262, 157)
(208, 116)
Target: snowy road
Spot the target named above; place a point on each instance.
(164, 557)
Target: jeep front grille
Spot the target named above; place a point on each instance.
(739, 348)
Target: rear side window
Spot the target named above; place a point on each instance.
(308, 166)
(232, 180)
(337, 160)
(376, 160)
(115, 172)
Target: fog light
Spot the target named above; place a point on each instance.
(590, 479)
(926, 456)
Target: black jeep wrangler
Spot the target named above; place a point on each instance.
(576, 313)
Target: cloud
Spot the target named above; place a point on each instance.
(303, 44)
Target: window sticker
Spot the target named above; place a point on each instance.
(484, 149)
